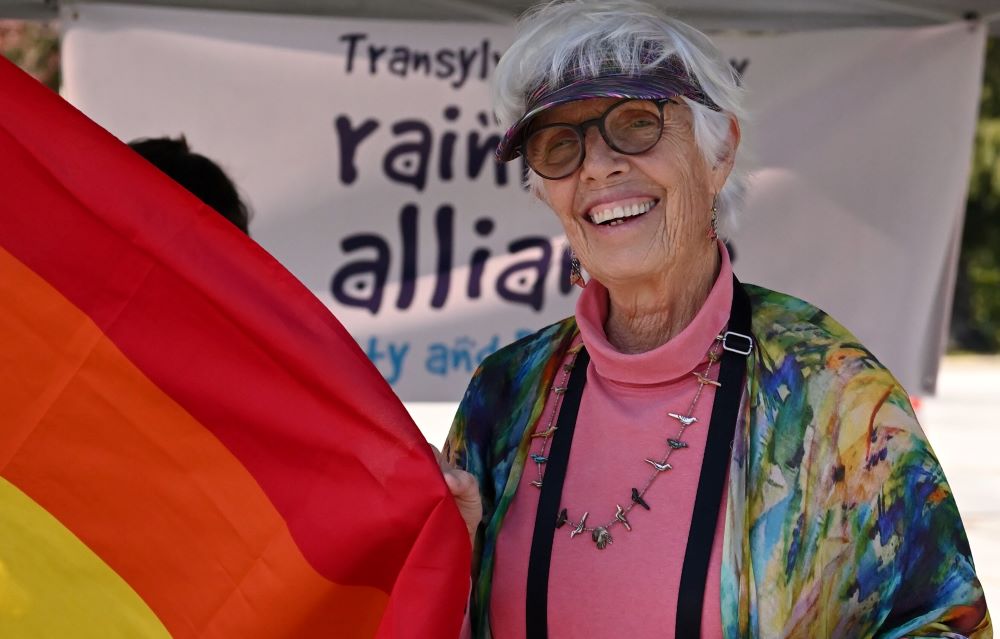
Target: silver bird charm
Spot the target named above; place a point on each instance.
(706, 380)
(548, 432)
(620, 516)
(579, 527)
(684, 419)
(659, 466)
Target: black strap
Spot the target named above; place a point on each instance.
(537, 608)
(695, 570)
(694, 573)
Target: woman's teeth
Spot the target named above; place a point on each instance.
(617, 215)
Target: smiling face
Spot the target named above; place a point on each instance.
(637, 219)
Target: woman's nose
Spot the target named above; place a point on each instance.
(600, 161)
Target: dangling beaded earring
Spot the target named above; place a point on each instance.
(575, 272)
(713, 233)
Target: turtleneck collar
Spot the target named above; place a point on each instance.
(667, 362)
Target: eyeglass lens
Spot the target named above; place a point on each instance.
(556, 150)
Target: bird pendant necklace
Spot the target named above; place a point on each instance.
(600, 534)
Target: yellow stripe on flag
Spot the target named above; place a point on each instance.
(52, 585)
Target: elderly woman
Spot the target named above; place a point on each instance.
(688, 455)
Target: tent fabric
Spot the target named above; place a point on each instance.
(192, 444)
(714, 15)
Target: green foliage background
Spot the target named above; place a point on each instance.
(976, 311)
(34, 47)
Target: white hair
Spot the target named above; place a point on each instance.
(588, 36)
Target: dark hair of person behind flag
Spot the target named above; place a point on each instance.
(201, 176)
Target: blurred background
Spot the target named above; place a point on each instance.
(962, 418)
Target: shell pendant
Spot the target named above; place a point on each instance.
(601, 537)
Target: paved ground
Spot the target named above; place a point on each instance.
(963, 424)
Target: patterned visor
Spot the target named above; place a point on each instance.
(668, 80)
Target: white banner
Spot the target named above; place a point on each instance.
(365, 149)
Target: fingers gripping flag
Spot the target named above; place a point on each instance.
(191, 445)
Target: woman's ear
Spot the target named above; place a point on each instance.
(727, 155)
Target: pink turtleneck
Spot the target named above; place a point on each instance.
(630, 588)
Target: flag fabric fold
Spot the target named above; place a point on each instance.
(192, 444)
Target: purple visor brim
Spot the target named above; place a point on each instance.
(659, 84)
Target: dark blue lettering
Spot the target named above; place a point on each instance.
(422, 59)
(406, 162)
(374, 53)
(348, 140)
(377, 270)
(477, 264)
(524, 282)
(447, 152)
(444, 227)
(465, 59)
(479, 152)
(446, 63)
(408, 277)
(399, 62)
(352, 40)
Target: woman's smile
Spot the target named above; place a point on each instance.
(619, 212)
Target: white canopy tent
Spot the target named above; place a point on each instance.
(714, 15)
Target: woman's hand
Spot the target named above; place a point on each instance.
(465, 489)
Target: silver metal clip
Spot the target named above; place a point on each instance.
(740, 348)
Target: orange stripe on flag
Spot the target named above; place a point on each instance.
(146, 487)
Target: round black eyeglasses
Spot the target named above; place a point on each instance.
(629, 126)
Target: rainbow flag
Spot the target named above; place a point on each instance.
(190, 444)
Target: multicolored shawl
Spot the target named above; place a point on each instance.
(839, 521)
